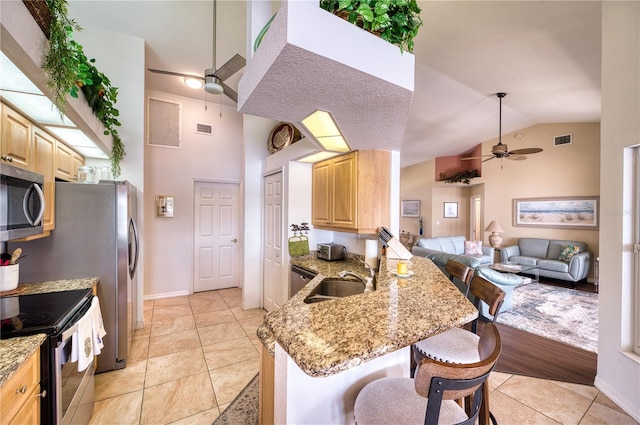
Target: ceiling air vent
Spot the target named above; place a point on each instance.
(204, 129)
(565, 139)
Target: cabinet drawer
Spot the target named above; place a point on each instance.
(17, 390)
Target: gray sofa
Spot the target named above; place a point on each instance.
(545, 253)
(442, 249)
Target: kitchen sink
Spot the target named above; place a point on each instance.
(331, 288)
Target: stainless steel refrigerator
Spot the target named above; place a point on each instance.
(95, 235)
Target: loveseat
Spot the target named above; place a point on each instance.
(442, 249)
(556, 259)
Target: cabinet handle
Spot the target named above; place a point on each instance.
(6, 158)
(22, 390)
(43, 394)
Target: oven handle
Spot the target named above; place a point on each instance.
(69, 332)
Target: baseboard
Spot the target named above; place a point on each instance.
(627, 405)
(166, 295)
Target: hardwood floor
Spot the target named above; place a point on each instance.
(531, 355)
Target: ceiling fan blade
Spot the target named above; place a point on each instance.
(516, 157)
(231, 94)
(525, 151)
(233, 65)
(489, 159)
(175, 74)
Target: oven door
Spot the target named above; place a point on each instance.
(74, 389)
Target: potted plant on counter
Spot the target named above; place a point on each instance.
(395, 21)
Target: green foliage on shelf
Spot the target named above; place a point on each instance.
(396, 21)
(462, 177)
(70, 70)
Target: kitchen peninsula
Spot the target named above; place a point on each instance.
(326, 352)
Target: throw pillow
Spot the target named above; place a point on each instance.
(473, 247)
(567, 252)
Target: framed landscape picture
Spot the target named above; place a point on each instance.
(411, 208)
(561, 212)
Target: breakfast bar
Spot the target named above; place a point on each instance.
(325, 352)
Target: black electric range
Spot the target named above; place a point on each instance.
(53, 314)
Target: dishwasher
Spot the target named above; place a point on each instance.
(298, 279)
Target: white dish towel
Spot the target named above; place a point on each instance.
(98, 326)
(82, 342)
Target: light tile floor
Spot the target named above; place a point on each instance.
(199, 351)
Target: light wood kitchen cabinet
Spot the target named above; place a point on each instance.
(19, 396)
(64, 162)
(266, 394)
(44, 150)
(78, 161)
(350, 193)
(16, 142)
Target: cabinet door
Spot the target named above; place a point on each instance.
(321, 194)
(78, 161)
(64, 162)
(16, 139)
(44, 152)
(344, 191)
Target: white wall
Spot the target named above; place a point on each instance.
(169, 241)
(618, 368)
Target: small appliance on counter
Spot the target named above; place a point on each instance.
(331, 251)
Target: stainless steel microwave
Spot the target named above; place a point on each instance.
(21, 203)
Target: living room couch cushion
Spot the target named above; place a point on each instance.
(442, 249)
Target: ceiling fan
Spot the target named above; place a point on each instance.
(213, 78)
(501, 150)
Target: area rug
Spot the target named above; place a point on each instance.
(244, 408)
(559, 314)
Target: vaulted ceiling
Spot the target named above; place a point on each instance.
(544, 54)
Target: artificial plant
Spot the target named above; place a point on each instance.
(70, 70)
(395, 21)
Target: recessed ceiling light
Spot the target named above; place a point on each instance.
(194, 83)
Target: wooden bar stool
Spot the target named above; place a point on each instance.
(429, 397)
(458, 345)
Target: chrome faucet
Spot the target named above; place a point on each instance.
(345, 273)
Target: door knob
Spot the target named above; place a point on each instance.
(234, 240)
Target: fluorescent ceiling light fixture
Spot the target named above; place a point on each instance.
(20, 92)
(318, 156)
(324, 129)
(194, 83)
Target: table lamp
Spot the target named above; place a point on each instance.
(495, 240)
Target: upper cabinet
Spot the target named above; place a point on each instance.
(16, 145)
(44, 151)
(351, 192)
(27, 146)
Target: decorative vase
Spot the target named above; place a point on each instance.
(495, 240)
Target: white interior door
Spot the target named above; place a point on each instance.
(215, 236)
(476, 218)
(274, 293)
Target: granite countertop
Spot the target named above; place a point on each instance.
(15, 351)
(329, 337)
(54, 286)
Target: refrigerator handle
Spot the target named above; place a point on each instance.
(133, 265)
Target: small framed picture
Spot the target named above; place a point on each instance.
(450, 210)
(164, 206)
(411, 208)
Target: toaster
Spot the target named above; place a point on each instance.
(331, 251)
